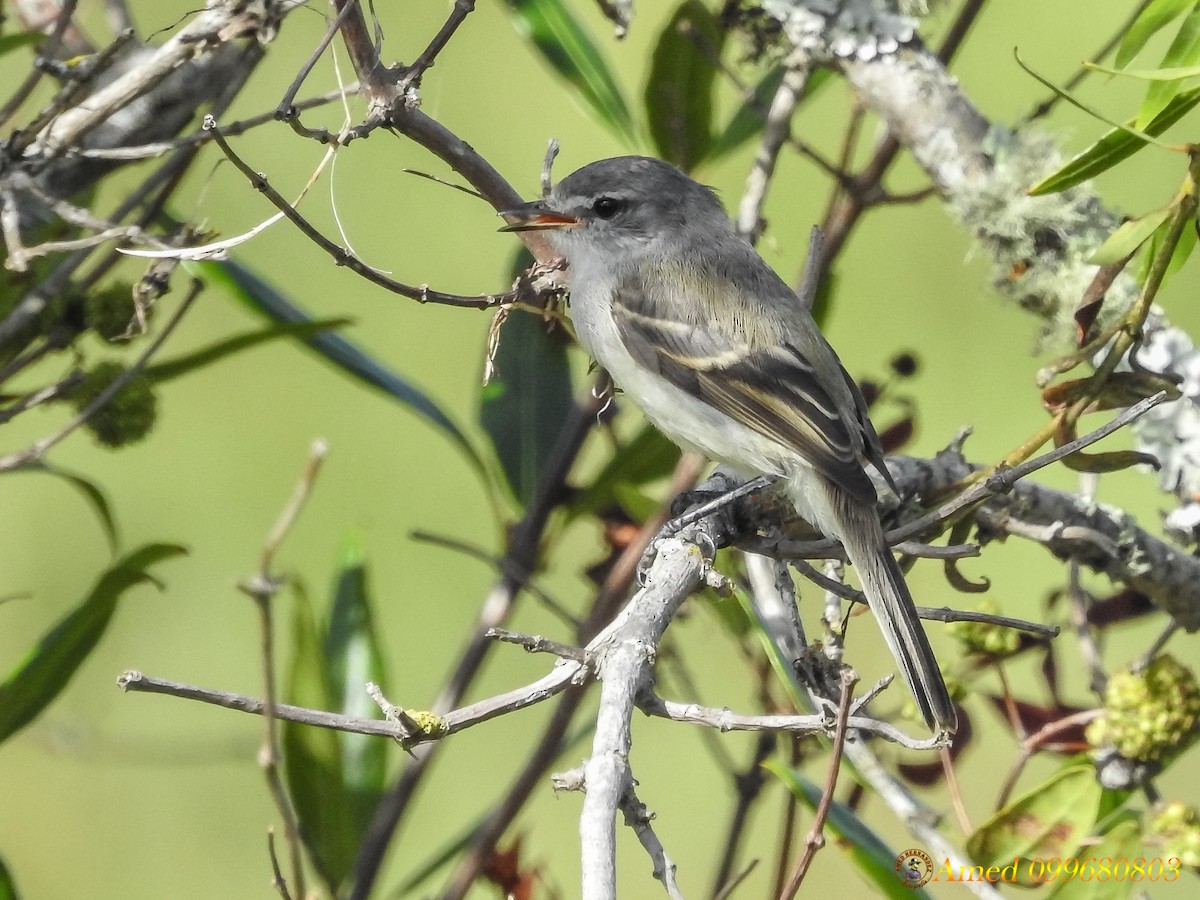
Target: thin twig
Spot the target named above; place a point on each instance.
(342, 256)
(1035, 741)
(535, 643)
(503, 565)
(412, 74)
(286, 109)
(278, 881)
(816, 835)
(929, 613)
(262, 589)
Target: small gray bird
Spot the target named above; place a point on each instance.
(720, 354)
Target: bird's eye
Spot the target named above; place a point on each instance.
(606, 207)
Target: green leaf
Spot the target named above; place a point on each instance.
(875, 861)
(313, 756)
(1049, 821)
(11, 42)
(679, 90)
(748, 120)
(1184, 52)
(1176, 74)
(1156, 16)
(94, 496)
(1129, 236)
(647, 457)
(8, 887)
(568, 49)
(354, 654)
(191, 362)
(34, 684)
(1115, 146)
(263, 298)
(527, 402)
(1122, 843)
(1179, 256)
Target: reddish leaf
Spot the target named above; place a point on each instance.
(1123, 606)
(503, 869)
(1034, 718)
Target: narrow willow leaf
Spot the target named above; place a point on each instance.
(565, 45)
(1155, 17)
(527, 402)
(354, 653)
(1176, 74)
(11, 42)
(679, 89)
(95, 497)
(875, 861)
(1129, 236)
(34, 684)
(1114, 147)
(312, 756)
(1184, 52)
(206, 356)
(263, 298)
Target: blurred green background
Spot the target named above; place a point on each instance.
(112, 795)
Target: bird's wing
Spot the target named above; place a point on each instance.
(768, 385)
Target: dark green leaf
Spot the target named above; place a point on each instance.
(568, 49)
(313, 758)
(11, 42)
(875, 861)
(95, 497)
(648, 457)
(525, 405)
(1183, 53)
(8, 887)
(748, 120)
(1116, 145)
(190, 362)
(34, 684)
(354, 654)
(261, 297)
(1156, 16)
(679, 90)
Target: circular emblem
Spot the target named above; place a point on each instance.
(914, 868)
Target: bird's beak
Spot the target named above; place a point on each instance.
(536, 216)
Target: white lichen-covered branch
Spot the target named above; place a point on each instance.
(1039, 246)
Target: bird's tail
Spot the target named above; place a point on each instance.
(887, 593)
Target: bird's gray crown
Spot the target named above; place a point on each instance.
(646, 196)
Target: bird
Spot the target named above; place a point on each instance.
(698, 330)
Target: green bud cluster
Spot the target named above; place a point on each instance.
(128, 416)
(1151, 715)
(1177, 826)
(109, 312)
(986, 637)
